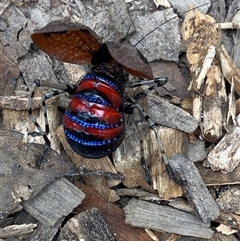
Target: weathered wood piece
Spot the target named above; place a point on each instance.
(102, 164)
(19, 179)
(20, 121)
(56, 200)
(186, 174)
(138, 193)
(160, 218)
(207, 86)
(164, 113)
(113, 216)
(147, 46)
(190, 4)
(212, 178)
(228, 200)
(225, 157)
(99, 184)
(88, 225)
(176, 85)
(16, 230)
(174, 141)
(229, 69)
(196, 151)
(42, 232)
(119, 17)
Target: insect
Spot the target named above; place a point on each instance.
(94, 120)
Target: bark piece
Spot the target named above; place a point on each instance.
(225, 157)
(196, 151)
(176, 85)
(186, 5)
(119, 17)
(166, 114)
(186, 174)
(55, 201)
(147, 46)
(19, 177)
(228, 200)
(113, 216)
(88, 225)
(148, 215)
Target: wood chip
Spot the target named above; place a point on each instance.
(19, 177)
(148, 215)
(186, 174)
(225, 157)
(55, 201)
(88, 225)
(16, 230)
(113, 216)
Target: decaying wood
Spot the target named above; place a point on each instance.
(56, 200)
(196, 151)
(212, 178)
(103, 164)
(164, 113)
(20, 180)
(20, 121)
(113, 216)
(229, 69)
(228, 200)
(208, 86)
(143, 214)
(174, 141)
(42, 232)
(99, 184)
(88, 225)
(225, 157)
(186, 174)
(16, 230)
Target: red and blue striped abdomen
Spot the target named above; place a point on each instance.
(94, 122)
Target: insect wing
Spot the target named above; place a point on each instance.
(132, 60)
(68, 42)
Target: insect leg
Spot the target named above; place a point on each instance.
(143, 161)
(63, 88)
(153, 127)
(157, 82)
